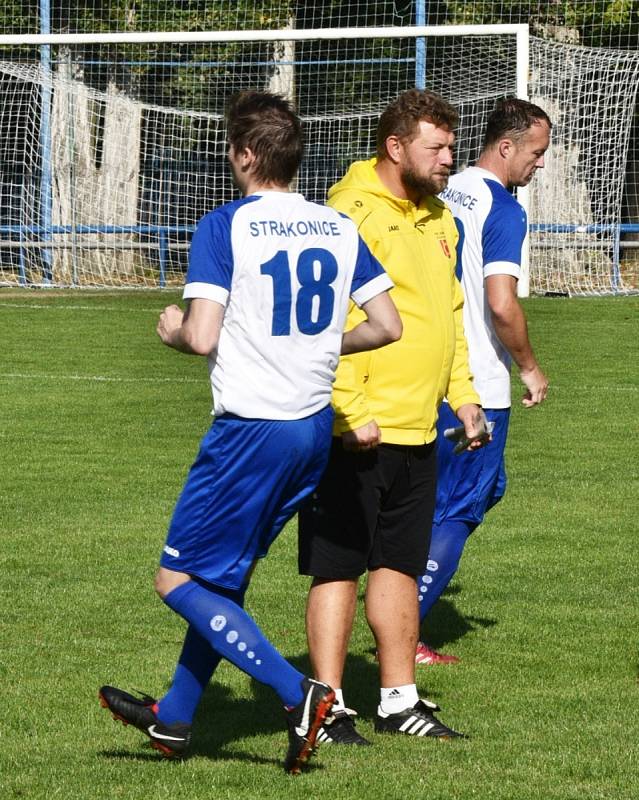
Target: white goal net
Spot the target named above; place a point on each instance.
(111, 149)
(575, 214)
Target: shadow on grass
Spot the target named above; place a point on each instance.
(148, 754)
(224, 718)
(444, 624)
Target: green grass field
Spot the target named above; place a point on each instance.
(99, 425)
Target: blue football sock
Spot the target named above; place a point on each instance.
(197, 664)
(232, 634)
(446, 548)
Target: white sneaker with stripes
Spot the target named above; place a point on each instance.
(416, 721)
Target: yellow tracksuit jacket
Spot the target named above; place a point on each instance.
(401, 385)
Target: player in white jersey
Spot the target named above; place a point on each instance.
(492, 229)
(267, 289)
(271, 360)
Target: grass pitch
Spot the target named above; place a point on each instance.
(99, 425)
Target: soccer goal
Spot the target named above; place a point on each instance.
(113, 145)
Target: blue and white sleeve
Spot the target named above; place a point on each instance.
(369, 278)
(502, 239)
(210, 268)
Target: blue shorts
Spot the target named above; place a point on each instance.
(470, 483)
(247, 481)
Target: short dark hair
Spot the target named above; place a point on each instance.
(267, 125)
(402, 117)
(511, 119)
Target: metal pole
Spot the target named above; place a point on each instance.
(46, 215)
(420, 46)
(523, 192)
(164, 252)
(23, 266)
(616, 260)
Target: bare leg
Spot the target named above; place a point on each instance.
(330, 611)
(392, 611)
(168, 579)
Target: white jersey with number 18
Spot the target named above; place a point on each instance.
(285, 269)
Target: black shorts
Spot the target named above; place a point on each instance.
(371, 509)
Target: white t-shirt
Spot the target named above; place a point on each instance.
(284, 269)
(492, 229)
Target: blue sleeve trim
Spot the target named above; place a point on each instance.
(504, 229)
(367, 267)
(382, 283)
(211, 253)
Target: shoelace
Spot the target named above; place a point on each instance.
(349, 712)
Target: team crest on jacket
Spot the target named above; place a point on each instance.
(445, 248)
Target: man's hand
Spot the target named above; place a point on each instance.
(536, 384)
(365, 438)
(169, 323)
(510, 326)
(474, 421)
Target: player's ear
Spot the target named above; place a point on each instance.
(246, 157)
(393, 148)
(506, 147)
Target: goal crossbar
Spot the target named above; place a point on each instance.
(292, 34)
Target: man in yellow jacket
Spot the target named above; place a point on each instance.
(373, 508)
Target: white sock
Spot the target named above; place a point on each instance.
(338, 705)
(398, 698)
